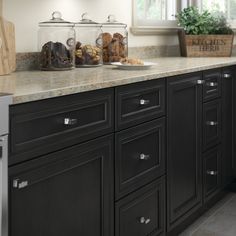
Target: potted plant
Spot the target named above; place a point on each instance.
(204, 34)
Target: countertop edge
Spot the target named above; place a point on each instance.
(18, 99)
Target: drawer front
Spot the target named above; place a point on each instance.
(212, 124)
(139, 102)
(142, 213)
(140, 156)
(44, 126)
(211, 173)
(212, 84)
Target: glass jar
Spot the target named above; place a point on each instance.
(56, 42)
(115, 40)
(88, 50)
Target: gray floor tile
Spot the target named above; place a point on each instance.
(204, 232)
(229, 207)
(193, 227)
(218, 221)
(223, 224)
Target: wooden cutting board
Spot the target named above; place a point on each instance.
(7, 45)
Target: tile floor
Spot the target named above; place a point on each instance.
(218, 221)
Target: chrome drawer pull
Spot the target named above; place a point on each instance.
(144, 157)
(69, 121)
(227, 76)
(212, 123)
(142, 220)
(211, 172)
(200, 81)
(19, 185)
(212, 84)
(144, 102)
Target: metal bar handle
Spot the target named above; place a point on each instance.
(144, 157)
(70, 121)
(200, 81)
(212, 172)
(212, 84)
(142, 220)
(212, 123)
(144, 102)
(227, 76)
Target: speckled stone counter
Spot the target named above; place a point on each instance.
(35, 85)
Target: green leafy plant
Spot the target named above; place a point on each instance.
(195, 23)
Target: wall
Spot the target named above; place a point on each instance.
(26, 14)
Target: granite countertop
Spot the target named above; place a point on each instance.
(29, 86)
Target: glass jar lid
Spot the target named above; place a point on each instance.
(56, 21)
(86, 21)
(112, 22)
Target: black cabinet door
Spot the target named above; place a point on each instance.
(212, 123)
(65, 193)
(228, 76)
(142, 213)
(139, 156)
(184, 182)
(211, 173)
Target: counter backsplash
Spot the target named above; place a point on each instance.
(29, 61)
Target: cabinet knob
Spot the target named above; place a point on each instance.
(212, 172)
(200, 81)
(143, 156)
(144, 102)
(142, 220)
(20, 184)
(212, 123)
(70, 121)
(212, 84)
(226, 76)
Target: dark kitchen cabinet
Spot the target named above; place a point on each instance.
(212, 123)
(212, 173)
(143, 212)
(173, 153)
(139, 156)
(184, 180)
(228, 83)
(69, 192)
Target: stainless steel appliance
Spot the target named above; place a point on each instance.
(5, 101)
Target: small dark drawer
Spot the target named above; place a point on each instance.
(139, 102)
(212, 124)
(140, 156)
(142, 213)
(211, 173)
(212, 84)
(44, 126)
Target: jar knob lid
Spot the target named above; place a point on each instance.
(56, 15)
(85, 17)
(111, 18)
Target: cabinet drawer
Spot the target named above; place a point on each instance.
(139, 102)
(142, 213)
(211, 173)
(211, 124)
(140, 156)
(44, 126)
(212, 84)
(69, 192)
